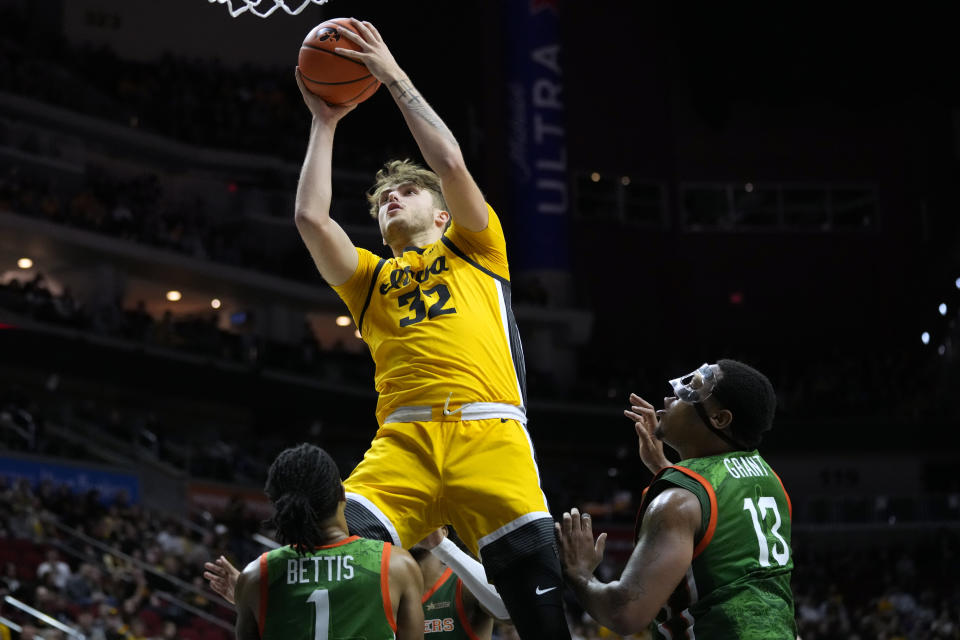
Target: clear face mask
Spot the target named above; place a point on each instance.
(697, 385)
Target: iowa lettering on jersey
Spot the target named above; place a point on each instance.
(400, 278)
(438, 625)
(317, 568)
(421, 304)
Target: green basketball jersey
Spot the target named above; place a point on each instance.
(336, 591)
(738, 585)
(444, 615)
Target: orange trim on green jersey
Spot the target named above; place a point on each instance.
(787, 495)
(712, 524)
(462, 612)
(339, 543)
(638, 521)
(264, 589)
(385, 585)
(437, 585)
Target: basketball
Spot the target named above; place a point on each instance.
(333, 77)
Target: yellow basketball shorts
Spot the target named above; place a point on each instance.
(478, 475)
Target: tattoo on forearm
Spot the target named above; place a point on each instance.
(403, 87)
(408, 94)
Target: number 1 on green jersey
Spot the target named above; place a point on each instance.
(321, 602)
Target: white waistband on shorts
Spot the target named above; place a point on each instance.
(469, 411)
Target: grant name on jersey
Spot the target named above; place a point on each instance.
(745, 467)
(316, 568)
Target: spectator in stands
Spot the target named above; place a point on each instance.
(82, 585)
(92, 628)
(58, 569)
(945, 626)
(10, 583)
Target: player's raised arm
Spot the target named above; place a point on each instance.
(437, 144)
(406, 589)
(248, 597)
(658, 563)
(329, 246)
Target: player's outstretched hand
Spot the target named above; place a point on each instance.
(326, 113)
(222, 577)
(373, 51)
(579, 553)
(644, 418)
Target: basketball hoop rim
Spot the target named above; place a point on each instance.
(253, 7)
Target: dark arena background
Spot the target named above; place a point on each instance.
(775, 184)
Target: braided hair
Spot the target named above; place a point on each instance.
(304, 485)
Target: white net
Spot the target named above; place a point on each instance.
(263, 8)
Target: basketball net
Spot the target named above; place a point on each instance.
(253, 6)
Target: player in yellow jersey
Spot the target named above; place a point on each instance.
(452, 444)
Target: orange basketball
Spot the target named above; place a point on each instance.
(334, 77)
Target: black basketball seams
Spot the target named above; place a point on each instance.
(308, 78)
(365, 89)
(333, 53)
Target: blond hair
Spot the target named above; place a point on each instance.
(397, 172)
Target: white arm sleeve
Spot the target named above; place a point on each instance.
(473, 576)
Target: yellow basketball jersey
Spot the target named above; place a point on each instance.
(438, 321)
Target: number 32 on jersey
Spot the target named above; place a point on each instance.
(425, 304)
